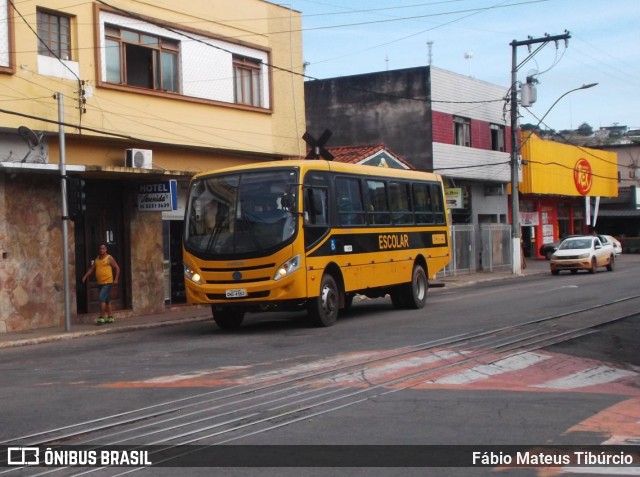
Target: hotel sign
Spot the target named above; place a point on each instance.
(158, 196)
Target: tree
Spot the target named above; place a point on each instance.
(536, 129)
(584, 130)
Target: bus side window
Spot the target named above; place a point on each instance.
(350, 205)
(399, 203)
(438, 204)
(377, 207)
(422, 203)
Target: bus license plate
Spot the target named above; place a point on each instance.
(236, 293)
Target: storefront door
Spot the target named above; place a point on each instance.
(102, 223)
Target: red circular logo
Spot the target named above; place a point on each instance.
(582, 176)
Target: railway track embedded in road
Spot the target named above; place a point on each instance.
(268, 401)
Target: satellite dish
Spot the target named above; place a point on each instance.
(31, 138)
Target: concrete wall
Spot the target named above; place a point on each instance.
(31, 278)
(31, 256)
(386, 107)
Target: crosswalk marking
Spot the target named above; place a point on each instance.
(587, 377)
(446, 367)
(484, 371)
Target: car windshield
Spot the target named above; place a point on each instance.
(241, 214)
(573, 244)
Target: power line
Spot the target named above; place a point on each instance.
(503, 163)
(564, 166)
(569, 142)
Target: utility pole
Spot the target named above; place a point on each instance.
(65, 213)
(516, 258)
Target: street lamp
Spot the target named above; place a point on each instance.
(584, 86)
(516, 265)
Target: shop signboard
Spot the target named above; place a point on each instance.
(158, 196)
(454, 198)
(529, 218)
(561, 169)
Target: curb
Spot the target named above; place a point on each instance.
(64, 336)
(452, 281)
(457, 282)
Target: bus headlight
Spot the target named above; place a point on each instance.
(287, 268)
(192, 275)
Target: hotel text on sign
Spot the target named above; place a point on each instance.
(158, 196)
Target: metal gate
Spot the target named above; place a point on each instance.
(496, 247)
(495, 253)
(462, 251)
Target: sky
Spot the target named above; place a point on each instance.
(473, 37)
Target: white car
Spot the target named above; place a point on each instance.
(586, 252)
(617, 246)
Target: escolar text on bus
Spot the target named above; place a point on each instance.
(393, 241)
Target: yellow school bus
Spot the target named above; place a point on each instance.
(310, 235)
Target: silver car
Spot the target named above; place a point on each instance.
(585, 252)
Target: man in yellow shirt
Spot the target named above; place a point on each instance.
(104, 265)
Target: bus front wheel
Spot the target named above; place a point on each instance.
(227, 318)
(323, 310)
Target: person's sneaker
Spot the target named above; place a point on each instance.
(110, 319)
(100, 321)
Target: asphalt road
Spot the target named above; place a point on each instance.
(462, 392)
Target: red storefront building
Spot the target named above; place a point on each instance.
(560, 189)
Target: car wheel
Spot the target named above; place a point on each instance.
(555, 272)
(611, 264)
(594, 265)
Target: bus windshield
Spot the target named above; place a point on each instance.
(247, 213)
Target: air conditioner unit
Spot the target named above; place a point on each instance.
(138, 158)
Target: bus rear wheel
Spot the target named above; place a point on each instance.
(412, 295)
(227, 318)
(323, 310)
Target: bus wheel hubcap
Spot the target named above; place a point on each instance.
(328, 300)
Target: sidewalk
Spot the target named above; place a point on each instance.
(191, 313)
(533, 267)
